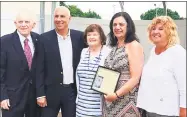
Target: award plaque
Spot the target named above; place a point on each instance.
(105, 80)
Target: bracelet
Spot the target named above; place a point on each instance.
(117, 95)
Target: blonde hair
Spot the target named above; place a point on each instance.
(169, 27)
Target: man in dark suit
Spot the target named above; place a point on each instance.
(58, 56)
(17, 69)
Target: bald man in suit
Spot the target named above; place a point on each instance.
(58, 56)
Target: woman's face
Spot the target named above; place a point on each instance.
(93, 38)
(158, 34)
(119, 27)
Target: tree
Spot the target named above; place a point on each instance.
(121, 3)
(164, 5)
(62, 3)
(77, 12)
(150, 14)
(91, 14)
(182, 18)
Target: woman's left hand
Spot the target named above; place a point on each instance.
(110, 97)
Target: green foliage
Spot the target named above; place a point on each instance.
(77, 12)
(91, 14)
(150, 14)
(62, 3)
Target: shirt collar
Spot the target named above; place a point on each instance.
(60, 36)
(22, 38)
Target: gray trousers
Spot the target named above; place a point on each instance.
(157, 115)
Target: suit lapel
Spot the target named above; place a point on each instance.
(34, 40)
(54, 42)
(73, 41)
(18, 47)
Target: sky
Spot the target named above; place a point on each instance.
(104, 9)
(135, 9)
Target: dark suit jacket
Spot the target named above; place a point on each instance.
(49, 69)
(14, 71)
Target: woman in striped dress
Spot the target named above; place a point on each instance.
(88, 103)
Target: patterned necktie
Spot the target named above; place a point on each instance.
(27, 51)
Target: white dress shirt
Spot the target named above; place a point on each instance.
(66, 55)
(163, 82)
(30, 42)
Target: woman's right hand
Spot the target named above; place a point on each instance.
(110, 97)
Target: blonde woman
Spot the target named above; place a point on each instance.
(162, 91)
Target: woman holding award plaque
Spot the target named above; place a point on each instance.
(126, 57)
(88, 103)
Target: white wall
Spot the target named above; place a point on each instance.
(7, 26)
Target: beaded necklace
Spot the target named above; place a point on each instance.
(97, 61)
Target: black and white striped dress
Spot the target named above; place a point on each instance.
(88, 103)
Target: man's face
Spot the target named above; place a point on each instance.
(24, 24)
(61, 19)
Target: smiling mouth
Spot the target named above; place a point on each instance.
(117, 32)
(156, 36)
(23, 29)
(59, 24)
